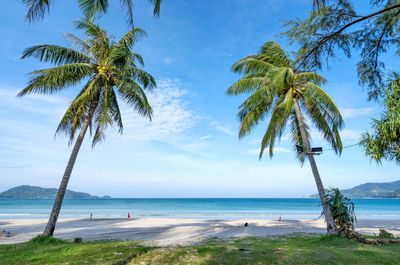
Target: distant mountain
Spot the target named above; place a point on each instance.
(385, 190)
(35, 192)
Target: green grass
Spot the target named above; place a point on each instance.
(291, 249)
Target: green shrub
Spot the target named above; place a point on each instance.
(41, 239)
(342, 210)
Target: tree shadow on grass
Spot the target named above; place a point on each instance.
(298, 249)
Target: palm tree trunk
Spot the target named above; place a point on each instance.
(330, 223)
(51, 224)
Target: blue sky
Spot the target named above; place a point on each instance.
(191, 148)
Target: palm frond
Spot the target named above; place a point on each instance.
(36, 9)
(272, 53)
(276, 126)
(138, 57)
(54, 79)
(91, 8)
(254, 109)
(102, 118)
(157, 6)
(77, 111)
(324, 123)
(306, 77)
(251, 65)
(134, 96)
(316, 94)
(90, 29)
(128, 6)
(282, 77)
(131, 37)
(78, 43)
(55, 54)
(246, 85)
(115, 111)
(142, 77)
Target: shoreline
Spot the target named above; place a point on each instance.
(175, 231)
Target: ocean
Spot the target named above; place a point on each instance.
(192, 208)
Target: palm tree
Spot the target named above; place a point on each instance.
(108, 68)
(90, 8)
(279, 91)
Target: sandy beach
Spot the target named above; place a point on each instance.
(173, 231)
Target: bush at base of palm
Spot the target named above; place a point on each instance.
(342, 210)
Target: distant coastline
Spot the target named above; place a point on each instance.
(36, 192)
(384, 190)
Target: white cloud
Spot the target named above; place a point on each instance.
(354, 112)
(171, 115)
(217, 126)
(350, 135)
(205, 137)
(276, 150)
(43, 104)
(168, 60)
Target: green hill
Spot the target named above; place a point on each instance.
(35, 192)
(387, 190)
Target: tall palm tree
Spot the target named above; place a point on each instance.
(108, 68)
(279, 91)
(90, 8)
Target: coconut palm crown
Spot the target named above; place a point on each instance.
(107, 69)
(275, 90)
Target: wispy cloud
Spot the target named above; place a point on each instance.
(168, 60)
(205, 137)
(34, 103)
(346, 135)
(172, 115)
(276, 150)
(355, 112)
(217, 126)
(352, 135)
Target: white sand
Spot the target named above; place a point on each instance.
(172, 231)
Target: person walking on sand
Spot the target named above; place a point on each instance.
(91, 216)
(129, 216)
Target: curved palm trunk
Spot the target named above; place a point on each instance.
(51, 224)
(330, 223)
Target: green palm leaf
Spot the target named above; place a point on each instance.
(51, 80)
(90, 8)
(36, 9)
(55, 54)
(251, 65)
(134, 96)
(81, 45)
(246, 85)
(131, 37)
(272, 53)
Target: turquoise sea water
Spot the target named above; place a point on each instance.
(192, 208)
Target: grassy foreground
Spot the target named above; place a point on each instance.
(291, 249)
